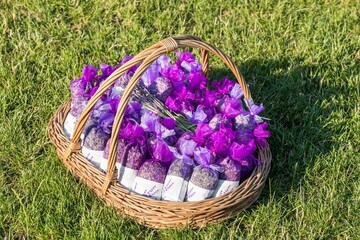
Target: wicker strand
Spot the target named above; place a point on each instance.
(73, 147)
(170, 44)
(205, 62)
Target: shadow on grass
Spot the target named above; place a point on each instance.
(293, 94)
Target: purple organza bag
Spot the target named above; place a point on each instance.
(151, 175)
(205, 176)
(94, 144)
(131, 153)
(180, 170)
(228, 179)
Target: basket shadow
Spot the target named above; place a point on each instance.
(292, 93)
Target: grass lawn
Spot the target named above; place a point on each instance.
(301, 59)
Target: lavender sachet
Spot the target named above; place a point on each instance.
(228, 179)
(151, 176)
(134, 154)
(205, 176)
(180, 170)
(81, 90)
(94, 145)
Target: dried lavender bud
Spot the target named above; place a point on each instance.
(96, 139)
(153, 171)
(161, 88)
(181, 168)
(90, 123)
(244, 122)
(121, 147)
(205, 177)
(217, 120)
(135, 156)
(77, 108)
(232, 169)
(123, 80)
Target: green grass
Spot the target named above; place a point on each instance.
(301, 59)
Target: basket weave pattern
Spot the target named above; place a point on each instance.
(147, 211)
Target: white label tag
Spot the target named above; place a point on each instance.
(196, 193)
(174, 189)
(148, 188)
(127, 177)
(103, 164)
(95, 157)
(69, 125)
(224, 186)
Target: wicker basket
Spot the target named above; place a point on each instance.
(147, 211)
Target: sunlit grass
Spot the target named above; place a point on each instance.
(301, 60)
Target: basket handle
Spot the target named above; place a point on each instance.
(75, 141)
(147, 56)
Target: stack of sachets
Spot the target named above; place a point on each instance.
(206, 154)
